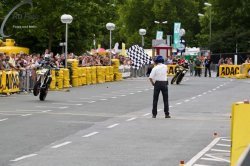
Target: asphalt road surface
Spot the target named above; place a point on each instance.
(111, 124)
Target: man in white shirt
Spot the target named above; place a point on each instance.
(158, 78)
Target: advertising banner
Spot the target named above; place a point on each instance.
(177, 27)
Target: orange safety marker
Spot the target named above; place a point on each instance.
(182, 163)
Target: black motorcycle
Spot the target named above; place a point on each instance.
(180, 71)
(42, 83)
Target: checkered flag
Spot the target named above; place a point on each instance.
(137, 56)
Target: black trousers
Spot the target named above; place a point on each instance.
(207, 69)
(160, 86)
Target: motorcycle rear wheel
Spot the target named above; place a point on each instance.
(43, 93)
(36, 88)
(174, 79)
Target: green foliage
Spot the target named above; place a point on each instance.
(230, 23)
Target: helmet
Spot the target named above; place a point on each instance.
(47, 57)
(159, 59)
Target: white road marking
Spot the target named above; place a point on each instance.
(214, 89)
(66, 104)
(122, 95)
(204, 93)
(219, 150)
(139, 91)
(112, 126)
(210, 91)
(170, 106)
(30, 110)
(52, 107)
(213, 158)
(46, 111)
(228, 140)
(146, 114)
(224, 145)
(90, 134)
(91, 102)
(131, 93)
(218, 87)
(26, 115)
(3, 119)
(221, 85)
(187, 100)
(199, 95)
(85, 98)
(193, 98)
(103, 99)
(146, 89)
(113, 97)
(60, 145)
(24, 157)
(178, 103)
(131, 119)
(200, 165)
(201, 153)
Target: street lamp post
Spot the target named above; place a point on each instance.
(210, 20)
(110, 27)
(66, 19)
(142, 32)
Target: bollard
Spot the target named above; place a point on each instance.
(182, 163)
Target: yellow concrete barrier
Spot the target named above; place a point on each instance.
(240, 130)
(171, 70)
(9, 82)
(66, 78)
(246, 69)
(53, 81)
(229, 70)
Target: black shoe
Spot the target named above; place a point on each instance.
(154, 116)
(167, 116)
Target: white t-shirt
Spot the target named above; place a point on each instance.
(159, 73)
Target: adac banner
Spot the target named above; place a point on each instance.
(229, 70)
(171, 70)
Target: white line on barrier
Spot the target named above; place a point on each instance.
(112, 126)
(131, 119)
(146, 114)
(26, 115)
(60, 145)
(201, 153)
(1, 120)
(90, 134)
(24, 157)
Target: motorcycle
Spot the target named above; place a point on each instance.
(42, 83)
(180, 72)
